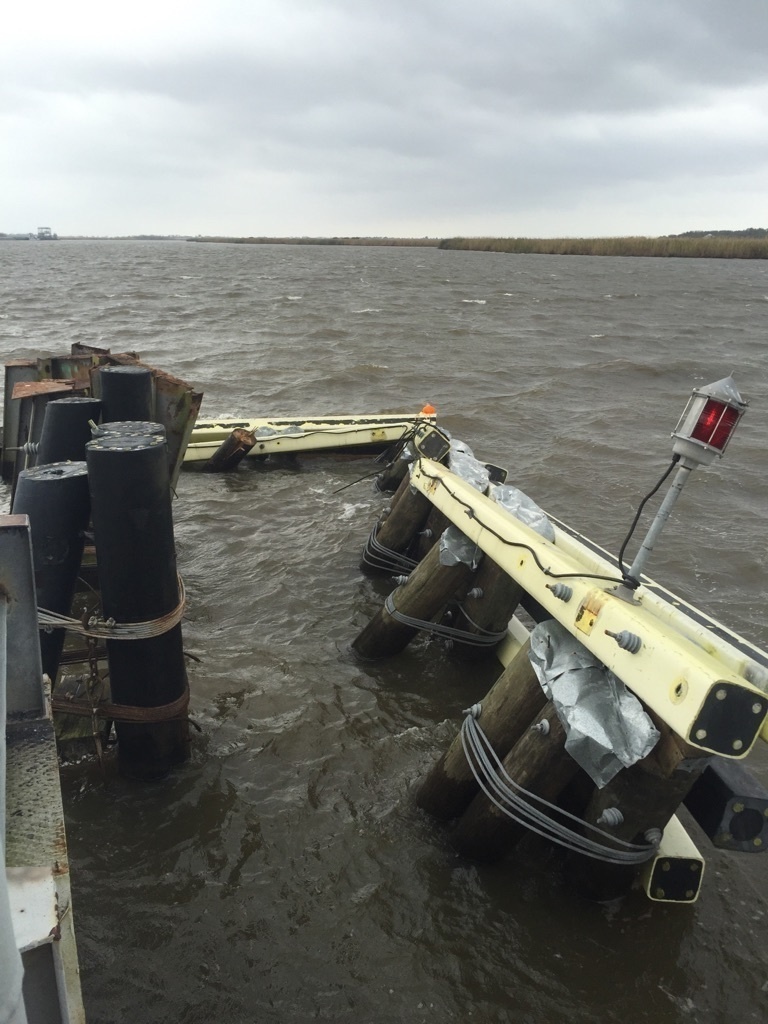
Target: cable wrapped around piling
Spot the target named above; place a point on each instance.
(519, 804)
(482, 639)
(177, 709)
(385, 559)
(108, 629)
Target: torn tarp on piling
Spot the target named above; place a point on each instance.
(456, 547)
(606, 727)
(463, 463)
(518, 504)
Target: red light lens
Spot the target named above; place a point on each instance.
(715, 424)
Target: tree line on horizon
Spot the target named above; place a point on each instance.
(744, 233)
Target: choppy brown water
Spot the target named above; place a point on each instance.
(284, 874)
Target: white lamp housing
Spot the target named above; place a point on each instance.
(708, 422)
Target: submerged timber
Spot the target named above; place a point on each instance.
(624, 768)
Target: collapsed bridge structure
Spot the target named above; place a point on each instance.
(618, 703)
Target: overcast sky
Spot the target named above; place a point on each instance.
(396, 117)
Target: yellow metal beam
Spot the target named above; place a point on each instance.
(286, 436)
(674, 875)
(693, 689)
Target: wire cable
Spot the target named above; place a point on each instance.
(636, 520)
(485, 638)
(516, 543)
(519, 804)
(108, 629)
(384, 559)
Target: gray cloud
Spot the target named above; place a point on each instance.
(494, 118)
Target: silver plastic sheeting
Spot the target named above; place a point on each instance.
(605, 725)
(463, 463)
(523, 508)
(455, 547)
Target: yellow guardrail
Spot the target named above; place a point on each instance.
(692, 686)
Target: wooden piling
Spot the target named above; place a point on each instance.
(426, 592)
(390, 478)
(507, 712)
(486, 609)
(538, 763)
(231, 452)
(434, 527)
(395, 532)
(647, 794)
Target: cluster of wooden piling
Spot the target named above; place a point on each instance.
(625, 820)
(91, 458)
(472, 603)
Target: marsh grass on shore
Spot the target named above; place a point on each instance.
(708, 246)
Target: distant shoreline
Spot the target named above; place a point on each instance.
(706, 246)
(433, 243)
(751, 244)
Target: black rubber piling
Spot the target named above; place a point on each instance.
(133, 526)
(56, 499)
(66, 429)
(31, 418)
(125, 428)
(126, 392)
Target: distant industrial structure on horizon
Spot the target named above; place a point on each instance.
(41, 235)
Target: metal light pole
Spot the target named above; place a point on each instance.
(703, 431)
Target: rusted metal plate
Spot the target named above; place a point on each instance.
(87, 350)
(76, 367)
(33, 388)
(177, 406)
